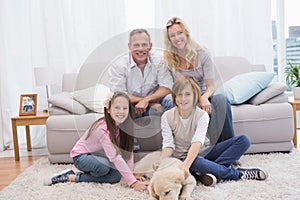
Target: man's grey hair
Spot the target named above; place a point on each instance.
(139, 30)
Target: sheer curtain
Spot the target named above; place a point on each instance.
(61, 34)
(226, 27)
(51, 33)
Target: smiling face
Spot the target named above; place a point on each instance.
(140, 47)
(119, 110)
(177, 36)
(185, 99)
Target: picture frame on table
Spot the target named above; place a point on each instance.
(28, 104)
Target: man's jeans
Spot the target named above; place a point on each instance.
(95, 169)
(167, 104)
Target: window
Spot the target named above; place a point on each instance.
(285, 34)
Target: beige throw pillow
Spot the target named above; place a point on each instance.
(93, 98)
(65, 101)
(268, 93)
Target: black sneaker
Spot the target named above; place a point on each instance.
(206, 179)
(61, 177)
(253, 174)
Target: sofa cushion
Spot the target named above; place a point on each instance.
(93, 98)
(244, 86)
(268, 93)
(65, 101)
(54, 110)
(281, 98)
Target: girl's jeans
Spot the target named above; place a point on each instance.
(95, 169)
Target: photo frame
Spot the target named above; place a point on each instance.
(28, 104)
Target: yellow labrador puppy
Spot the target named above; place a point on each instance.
(168, 182)
(144, 167)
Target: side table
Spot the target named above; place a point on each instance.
(38, 119)
(296, 106)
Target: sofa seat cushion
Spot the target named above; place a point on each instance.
(276, 118)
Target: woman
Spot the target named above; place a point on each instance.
(185, 57)
(104, 153)
(184, 136)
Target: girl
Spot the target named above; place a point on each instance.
(105, 152)
(184, 136)
(186, 57)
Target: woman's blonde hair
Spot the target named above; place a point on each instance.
(171, 56)
(182, 82)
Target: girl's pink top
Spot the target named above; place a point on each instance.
(99, 142)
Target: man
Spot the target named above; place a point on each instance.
(142, 76)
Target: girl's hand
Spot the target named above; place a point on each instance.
(138, 186)
(140, 178)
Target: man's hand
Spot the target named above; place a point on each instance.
(141, 106)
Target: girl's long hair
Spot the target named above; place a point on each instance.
(171, 56)
(124, 146)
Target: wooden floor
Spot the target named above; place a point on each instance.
(10, 169)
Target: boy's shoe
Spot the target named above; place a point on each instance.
(61, 177)
(252, 174)
(206, 179)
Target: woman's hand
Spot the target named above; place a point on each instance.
(205, 104)
(139, 186)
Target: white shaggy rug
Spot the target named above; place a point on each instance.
(283, 183)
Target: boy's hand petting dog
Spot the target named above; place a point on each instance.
(186, 170)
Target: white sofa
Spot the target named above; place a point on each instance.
(268, 125)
